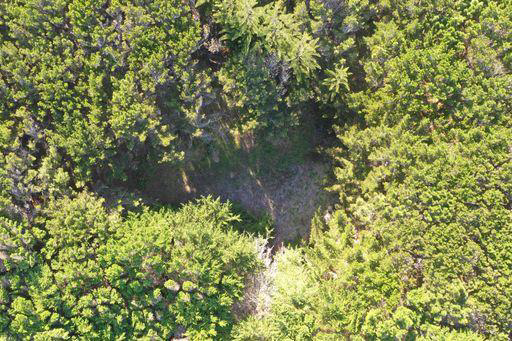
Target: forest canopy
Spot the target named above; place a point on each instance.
(403, 106)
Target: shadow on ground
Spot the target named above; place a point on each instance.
(284, 183)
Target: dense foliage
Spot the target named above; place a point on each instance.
(80, 85)
(410, 102)
(91, 273)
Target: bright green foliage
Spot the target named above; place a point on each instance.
(198, 259)
(428, 232)
(79, 87)
(18, 259)
(417, 246)
(283, 56)
(271, 26)
(440, 65)
(292, 313)
(155, 274)
(272, 51)
(422, 252)
(337, 80)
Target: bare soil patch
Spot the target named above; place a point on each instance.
(289, 198)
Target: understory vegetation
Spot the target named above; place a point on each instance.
(256, 170)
